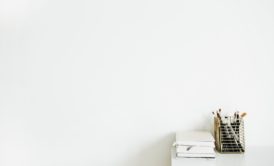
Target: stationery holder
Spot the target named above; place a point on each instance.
(229, 134)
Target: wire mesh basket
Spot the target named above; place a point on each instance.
(229, 134)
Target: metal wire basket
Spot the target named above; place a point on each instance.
(229, 134)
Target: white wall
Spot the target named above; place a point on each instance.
(109, 82)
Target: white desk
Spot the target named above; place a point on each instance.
(254, 156)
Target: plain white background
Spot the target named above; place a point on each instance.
(109, 82)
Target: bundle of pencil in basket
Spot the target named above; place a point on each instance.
(229, 132)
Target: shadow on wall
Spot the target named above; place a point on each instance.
(205, 123)
(156, 154)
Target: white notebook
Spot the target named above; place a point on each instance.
(195, 155)
(194, 149)
(198, 138)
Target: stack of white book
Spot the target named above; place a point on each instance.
(195, 144)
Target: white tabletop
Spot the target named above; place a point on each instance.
(254, 156)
